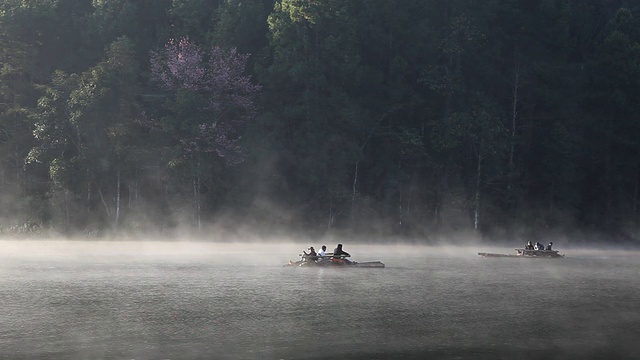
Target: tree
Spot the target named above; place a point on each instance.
(210, 101)
(614, 126)
(241, 24)
(19, 186)
(83, 124)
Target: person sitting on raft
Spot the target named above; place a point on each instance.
(311, 256)
(529, 246)
(322, 254)
(339, 254)
(549, 246)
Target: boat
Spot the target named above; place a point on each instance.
(330, 261)
(525, 253)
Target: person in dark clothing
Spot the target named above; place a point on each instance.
(549, 246)
(312, 255)
(339, 254)
(529, 246)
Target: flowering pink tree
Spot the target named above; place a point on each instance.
(228, 95)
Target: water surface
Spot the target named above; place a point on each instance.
(154, 300)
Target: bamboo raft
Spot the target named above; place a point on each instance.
(524, 253)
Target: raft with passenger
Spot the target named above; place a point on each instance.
(527, 253)
(329, 260)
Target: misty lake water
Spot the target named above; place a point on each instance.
(158, 300)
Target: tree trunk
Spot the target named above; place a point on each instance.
(514, 115)
(104, 203)
(67, 223)
(330, 214)
(196, 199)
(353, 191)
(635, 196)
(400, 200)
(88, 204)
(117, 219)
(442, 187)
(408, 210)
(476, 212)
(364, 143)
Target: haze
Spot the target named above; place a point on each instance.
(190, 300)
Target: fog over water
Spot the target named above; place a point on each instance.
(189, 300)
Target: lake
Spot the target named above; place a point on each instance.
(189, 300)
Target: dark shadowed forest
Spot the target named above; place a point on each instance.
(395, 118)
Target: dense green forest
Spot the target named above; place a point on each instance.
(405, 118)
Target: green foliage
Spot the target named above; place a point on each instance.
(241, 24)
(406, 117)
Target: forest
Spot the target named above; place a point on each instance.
(368, 118)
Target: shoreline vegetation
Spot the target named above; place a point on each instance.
(423, 120)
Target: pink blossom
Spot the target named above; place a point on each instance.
(230, 94)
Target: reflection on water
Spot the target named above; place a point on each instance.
(192, 301)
